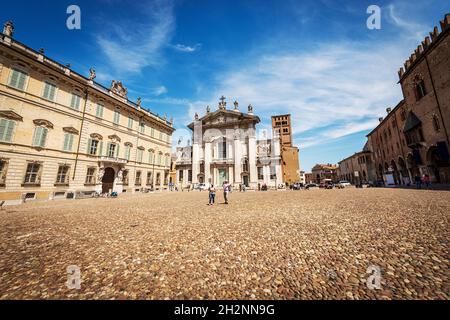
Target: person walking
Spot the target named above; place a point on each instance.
(418, 181)
(226, 190)
(426, 180)
(212, 195)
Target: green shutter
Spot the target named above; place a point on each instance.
(46, 90)
(107, 149)
(100, 148)
(43, 137)
(9, 130)
(3, 128)
(52, 92)
(66, 142)
(75, 102)
(22, 79)
(36, 137)
(117, 150)
(89, 144)
(14, 81)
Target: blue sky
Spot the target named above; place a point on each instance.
(313, 59)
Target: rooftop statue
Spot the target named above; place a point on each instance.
(8, 29)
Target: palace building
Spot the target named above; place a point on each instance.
(413, 139)
(225, 149)
(62, 135)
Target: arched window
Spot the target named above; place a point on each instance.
(436, 124)
(419, 86)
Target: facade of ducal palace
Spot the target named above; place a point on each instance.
(62, 135)
(225, 148)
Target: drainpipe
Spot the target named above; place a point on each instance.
(81, 132)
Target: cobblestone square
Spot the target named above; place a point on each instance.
(315, 244)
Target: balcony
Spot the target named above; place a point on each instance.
(112, 160)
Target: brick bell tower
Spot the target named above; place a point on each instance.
(290, 166)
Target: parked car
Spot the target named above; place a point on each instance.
(311, 186)
(343, 184)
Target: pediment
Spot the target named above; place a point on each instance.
(225, 117)
(71, 130)
(9, 114)
(114, 138)
(44, 123)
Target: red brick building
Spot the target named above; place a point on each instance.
(413, 138)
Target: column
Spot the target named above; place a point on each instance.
(252, 158)
(207, 162)
(230, 175)
(237, 159)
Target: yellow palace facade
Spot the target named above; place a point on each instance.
(62, 135)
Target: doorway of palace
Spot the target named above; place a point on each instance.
(108, 180)
(245, 178)
(222, 176)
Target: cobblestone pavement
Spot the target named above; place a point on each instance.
(264, 245)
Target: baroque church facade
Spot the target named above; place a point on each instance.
(225, 148)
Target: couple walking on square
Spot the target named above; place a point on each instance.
(212, 193)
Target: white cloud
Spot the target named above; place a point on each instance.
(411, 29)
(159, 90)
(131, 46)
(184, 48)
(338, 88)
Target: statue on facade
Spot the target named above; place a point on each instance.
(118, 88)
(139, 102)
(250, 108)
(8, 29)
(196, 116)
(92, 74)
(120, 175)
(101, 173)
(208, 109)
(236, 105)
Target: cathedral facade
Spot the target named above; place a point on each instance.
(225, 148)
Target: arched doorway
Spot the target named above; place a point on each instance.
(395, 172)
(438, 166)
(403, 170)
(108, 180)
(413, 169)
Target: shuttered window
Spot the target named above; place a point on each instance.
(49, 91)
(6, 130)
(18, 79)
(99, 111)
(75, 102)
(40, 137)
(151, 156)
(68, 142)
(127, 152)
(139, 155)
(94, 147)
(116, 117)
